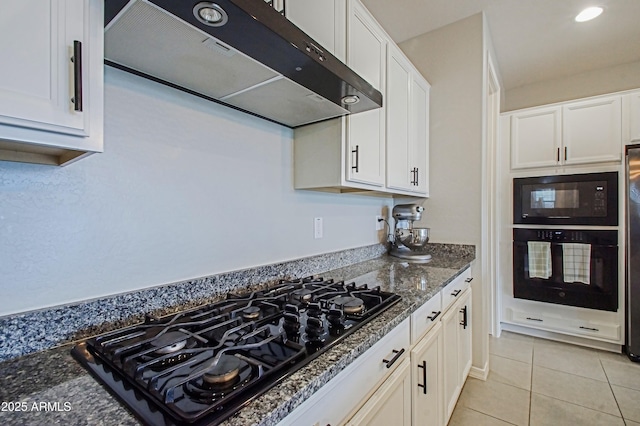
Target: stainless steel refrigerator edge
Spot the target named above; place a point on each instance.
(632, 346)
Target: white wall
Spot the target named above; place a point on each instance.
(185, 188)
(597, 82)
(452, 60)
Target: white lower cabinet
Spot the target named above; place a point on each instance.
(391, 403)
(427, 379)
(456, 330)
(412, 376)
(372, 375)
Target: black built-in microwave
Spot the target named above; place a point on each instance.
(579, 199)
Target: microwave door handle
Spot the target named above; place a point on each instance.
(559, 217)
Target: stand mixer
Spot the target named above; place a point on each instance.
(408, 241)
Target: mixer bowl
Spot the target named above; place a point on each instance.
(415, 238)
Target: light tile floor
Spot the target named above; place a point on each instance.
(540, 382)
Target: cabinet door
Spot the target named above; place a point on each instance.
(324, 21)
(419, 131)
(451, 375)
(37, 74)
(535, 138)
(399, 81)
(426, 366)
(366, 55)
(391, 403)
(633, 117)
(463, 308)
(592, 131)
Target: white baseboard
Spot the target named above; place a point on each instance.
(480, 373)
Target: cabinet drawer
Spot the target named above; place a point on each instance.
(353, 386)
(575, 327)
(455, 288)
(425, 317)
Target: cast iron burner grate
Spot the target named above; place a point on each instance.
(203, 365)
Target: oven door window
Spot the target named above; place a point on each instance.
(574, 274)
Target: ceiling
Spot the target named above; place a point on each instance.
(534, 40)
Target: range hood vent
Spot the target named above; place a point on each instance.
(254, 60)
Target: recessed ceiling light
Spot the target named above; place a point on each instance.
(589, 14)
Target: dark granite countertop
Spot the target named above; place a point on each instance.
(50, 387)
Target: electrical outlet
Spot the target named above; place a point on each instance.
(317, 227)
(379, 223)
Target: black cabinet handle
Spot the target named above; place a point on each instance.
(397, 355)
(558, 155)
(424, 377)
(468, 280)
(456, 293)
(565, 153)
(356, 151)
(414, 172)
(589, 328)
(77, 75)
(417, 176)
(534, 319)
(435, 315)
(464, 322)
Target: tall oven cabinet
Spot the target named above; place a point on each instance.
(51, 80)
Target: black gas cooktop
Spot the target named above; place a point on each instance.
(201, 366)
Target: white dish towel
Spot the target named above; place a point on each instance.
(539, 254)
(576, 262)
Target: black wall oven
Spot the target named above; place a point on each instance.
(567, 267)
(581, 199)
(560, 264)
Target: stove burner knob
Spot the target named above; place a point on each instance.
(335, 317)
(314, 310)
(315, 328)
(291, 324)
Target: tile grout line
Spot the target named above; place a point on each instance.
(489, 415)
(612, 392)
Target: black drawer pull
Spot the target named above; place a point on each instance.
(589, 328)
(397, 355)
(435, 315)
(468, 280)
(456, 293)
(534, 319)
(424, 377)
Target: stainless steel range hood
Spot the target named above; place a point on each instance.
(242, 53)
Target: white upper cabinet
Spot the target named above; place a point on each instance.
(385, 150)
(347, 154)
(571, 133)
(419, 131)
(591, 131)
(631, 118)
(536, 138)
(51, 80)
(407, 125)
(366, 55)
(320, 20)
(399, 81)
